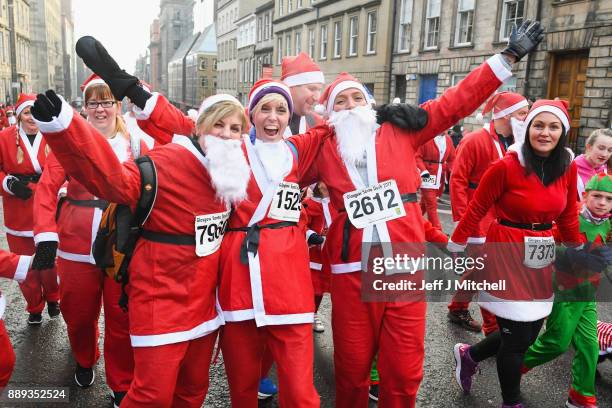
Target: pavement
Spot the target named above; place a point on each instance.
(44, 360)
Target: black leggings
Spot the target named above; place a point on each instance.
(509, 344)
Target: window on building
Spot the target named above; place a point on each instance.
(281, 7)
(279, 50)
(432, 24)
(252, 70)
(353, 33)
(215, 64)
(203, 64)
(300, 3)
(2, 57)
(298, 42)
(405, 23)
(337, 39)
(371, 44)
(288, 45)
(323, 53)
(311, 42)
(268, 27)
(513, 12)
(289, 6)
(455, 78)
(508, 85)
(204, 82)
(465, 22)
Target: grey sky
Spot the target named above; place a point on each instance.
(121, 25)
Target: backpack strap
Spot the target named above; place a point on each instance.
(148, 189)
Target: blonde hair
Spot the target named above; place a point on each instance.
(218, 111)
(271, 97)
(103, 92)
(596, 133)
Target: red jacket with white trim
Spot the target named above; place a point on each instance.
(12, 267)
(437, 159)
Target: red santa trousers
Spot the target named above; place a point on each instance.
(429, 205)
(39, 286)
(394, 330)
(462, 298)
(81, 289)
(243, 345)
(171, 375)
(7, 356)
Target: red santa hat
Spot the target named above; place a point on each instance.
(23, 102)
(264, 87)
(503, 104)
(301, 70)
(92, 80)
(211, 100)
(342, 82)
(559, 108)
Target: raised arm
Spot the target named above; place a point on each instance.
(162, 120)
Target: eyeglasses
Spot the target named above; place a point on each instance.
(104, 104)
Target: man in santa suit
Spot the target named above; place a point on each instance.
(12, 266)
(362, 159)
(475, 154)
(305, 81)
(23, 154)
(434, 160)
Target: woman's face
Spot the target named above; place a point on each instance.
(271, 121)
(544, 133)
(600, 151)
(27, 122)
(102, 113)
(229, 127)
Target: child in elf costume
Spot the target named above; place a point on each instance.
(573, 320)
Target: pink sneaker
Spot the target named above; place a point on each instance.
(465, 367)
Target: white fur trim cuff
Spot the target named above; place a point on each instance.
(312, 77)
(45, 236)
(27, 234)
(454, 247)
(22, 268)
(500, 67)
(5, 184)
(144, 114)
(309, 233)
(58, 123)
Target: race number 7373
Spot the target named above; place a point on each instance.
(209, 230)
(539, 252)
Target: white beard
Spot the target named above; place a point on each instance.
(228, 169)
(354, 129)
(275, 158)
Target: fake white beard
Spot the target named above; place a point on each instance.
(275, 158)
(228, 169)
(519, 128)
(354, 129)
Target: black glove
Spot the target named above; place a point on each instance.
(46, 106)
(19, 188)
(425, 176)
(525, 39)
(605, 252)
(45, 255)
(402, 115)
(315, 239)
(581, 259)
(95, 56)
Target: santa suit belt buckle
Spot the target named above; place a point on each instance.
(536, 226)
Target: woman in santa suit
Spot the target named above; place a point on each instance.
(434, 160)
(23, 154)
(537, 165)
(12, 266)
(84, 287)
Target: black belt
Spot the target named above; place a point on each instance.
(101, 204)
(251, 240)
(346, 230)
(472, 185)
(168, 238)
(537, 226)
(27, 178)
(433, 161)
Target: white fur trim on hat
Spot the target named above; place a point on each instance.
(510, 109)
(312, 77)
(211, 100)
(21, 107)
(343, 86)
(95, 81)
(551, 109)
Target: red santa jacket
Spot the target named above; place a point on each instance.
(306, 122)
(517, 198)
(319, 216)
(475, 154)
(436, 157)
(393, 151)
(172, 289)
(4, 123)
(12, 267)
(78, 223)
(18, 216)
(161, 120)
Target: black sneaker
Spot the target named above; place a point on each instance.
(464, 319)
(35, 319)
(53, 309)
(373, 393)
(117, 398)
(84, 377)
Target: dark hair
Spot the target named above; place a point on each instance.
(556, 163)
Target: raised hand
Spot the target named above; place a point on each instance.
(524, 40)
(46, 106)
(402, 115)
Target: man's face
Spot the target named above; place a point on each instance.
(304, 97)
(348, 99)
(503, 125)
(599, 203)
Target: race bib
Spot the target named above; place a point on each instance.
(380, 202)
(429, 182)
(209, 231)
(539, 252)
(286, 203)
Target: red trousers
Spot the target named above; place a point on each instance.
(39, 286)
(171, 375)
(7, 356)
(462, 298)
(429, 205)
(394, 330)
(83, 286)
(244, 345)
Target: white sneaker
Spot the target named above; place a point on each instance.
(318, 326)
